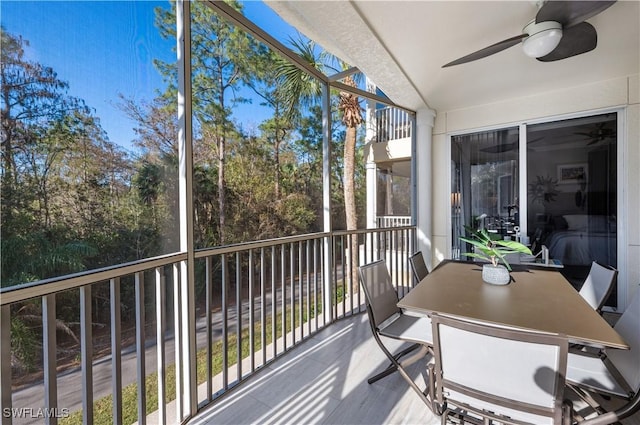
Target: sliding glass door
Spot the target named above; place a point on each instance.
(484, 193)
(570, 193)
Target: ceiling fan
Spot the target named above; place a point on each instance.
(599, 133)
(507, 147)
(557, 32)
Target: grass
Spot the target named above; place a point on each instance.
(103, 408)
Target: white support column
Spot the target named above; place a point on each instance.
(327, 272)
(423, 180)
(372, 197)
(185, 179)
(370, 166)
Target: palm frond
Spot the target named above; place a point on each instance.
(494, 250)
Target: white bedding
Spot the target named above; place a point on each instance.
(581, 248)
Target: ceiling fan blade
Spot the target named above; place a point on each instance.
(506, 147)
(494, 149)
(570, 13)
(500, 148)
(488, 51)
(579, 39)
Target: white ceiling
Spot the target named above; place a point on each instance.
(402, 45)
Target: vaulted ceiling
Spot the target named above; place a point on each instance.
(402, 45)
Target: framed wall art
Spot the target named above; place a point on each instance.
(573, 173)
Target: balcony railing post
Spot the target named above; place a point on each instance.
(224, 324)
(292, 300)
(283, 296)
(315, 283)
(308, 295)
(116, 350)
(263, 307)
(301, 294)
(208, 291)
(238, 317)
(86, 354)
(327, 279)
(252, 312)
(140, 351)
(5, 366)
(177, 342)
(274, 304)
(49, 345)
(160, 348)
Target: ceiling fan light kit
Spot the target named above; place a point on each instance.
(559, 31)
(543, 38)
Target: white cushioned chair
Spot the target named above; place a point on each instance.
(616, 373)
(485, 373)
(598, 285)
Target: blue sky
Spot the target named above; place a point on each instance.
(88, 46)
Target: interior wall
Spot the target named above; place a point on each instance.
(623, 92)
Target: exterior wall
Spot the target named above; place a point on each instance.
(375, 152)
(621, 92)
(393, 150)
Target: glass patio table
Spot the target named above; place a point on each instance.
(537, 298)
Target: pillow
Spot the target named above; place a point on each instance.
(559, 223)
(599, 223)
(577, 222)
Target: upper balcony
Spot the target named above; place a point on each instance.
(391, 140)
(392, 124)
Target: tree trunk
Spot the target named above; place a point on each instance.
(350, 201)
(276, 157)
(221, 190)
(9, 180)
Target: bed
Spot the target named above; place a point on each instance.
(586, 238)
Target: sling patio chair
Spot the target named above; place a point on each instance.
(418, 267)
(388, 321)
(613, 372)
(485, 373)
(598, 285)
(595, 290)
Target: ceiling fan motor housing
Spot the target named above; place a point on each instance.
(559, 31)
(543, 38)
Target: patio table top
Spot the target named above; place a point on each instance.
(537, 298)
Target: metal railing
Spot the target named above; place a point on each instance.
(392, 124)
(254, 302)
(384, 221)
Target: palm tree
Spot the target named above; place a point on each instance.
(349, 106)
(302, 90)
